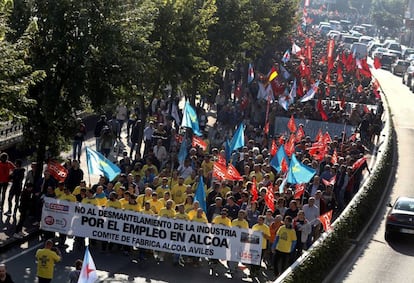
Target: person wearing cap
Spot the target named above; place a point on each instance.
(215, 209)
(163, 188)
(178, 191)
(156, 204)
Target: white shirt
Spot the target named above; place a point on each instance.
(160, 152)
(148, 131)
(311, 213)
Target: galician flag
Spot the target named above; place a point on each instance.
(88, 272)
(250, 75)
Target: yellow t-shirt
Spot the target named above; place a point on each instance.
(123, 201)
(91, 201)
(207, 167)
(286, 237)
(182, 216)
(114, 204)
(101, 201)
(59, 192)
(46, 260)
(77, 190)
(156, 206)
(223, 221)
(202, 219)
(265, 231)
(146, 166)
(189, 180)
(164, 202)
(178, 193)
(142, 199)
(188, 207)
(148, 212)
(68, 197)
(164, 212)
(160, 191)
(131, 207)
(240, 223)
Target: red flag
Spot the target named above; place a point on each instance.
(272, 74)
(331, 182)
(291, 124)
(219, 171)
(326, 221)
(284, 165)
(299, 190)
(365, 68)
(58, 171)
(339, 77)
(281, 140)
(319, 136)
(221, 160)
(233, 174)
(309, 53)
(290, 145)
(270, 199)
(321, 111)
(326, 138)
(360, 89)
(331, 46)
(299, 88)
(254, 192)
(366, 110)
(266, 128)
(334, 158)
(359, 163)
(377, 63)
(352, 137)
(273, 148)
(197, 141)
(237, 90)
(377, 94)
(375, 84)
(300, 134)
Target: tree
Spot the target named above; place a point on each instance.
(388, 13)
(77, 45)
(16, 74)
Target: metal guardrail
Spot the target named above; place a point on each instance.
(10, 134)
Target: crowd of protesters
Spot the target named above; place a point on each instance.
(153, 181)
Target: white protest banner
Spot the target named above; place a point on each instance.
(152, 232)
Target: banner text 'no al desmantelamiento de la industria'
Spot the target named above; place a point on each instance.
(152, 232)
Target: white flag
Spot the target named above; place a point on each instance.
(88, 272)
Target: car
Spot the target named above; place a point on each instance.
(393, 46)
(399, 67)
(378, 52)
(408, 75)
(333, 34)
(398, 53)
(365, 39)
(410, 57)
(325, 29)
(400, 218)
(407, 52)
(359, 49)
(348, 40)
(372, 46)
(387, 59)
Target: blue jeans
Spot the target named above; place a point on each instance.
(77, 149)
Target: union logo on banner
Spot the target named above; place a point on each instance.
(57, 171)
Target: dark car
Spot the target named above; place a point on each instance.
(387, 59)
(400, 218)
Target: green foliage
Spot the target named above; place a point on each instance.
(16, 76)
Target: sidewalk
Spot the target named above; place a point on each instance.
(8, 223)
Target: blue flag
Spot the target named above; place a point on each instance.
(298, 172)
(238, 138)
(190, 119)
(182, 153)
(99, 164)
(276, 161)
(200, 194)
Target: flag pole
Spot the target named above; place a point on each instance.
(87, 166)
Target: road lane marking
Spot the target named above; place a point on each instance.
(22, 253)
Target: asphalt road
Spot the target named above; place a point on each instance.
(380, 261)
(116, 267)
